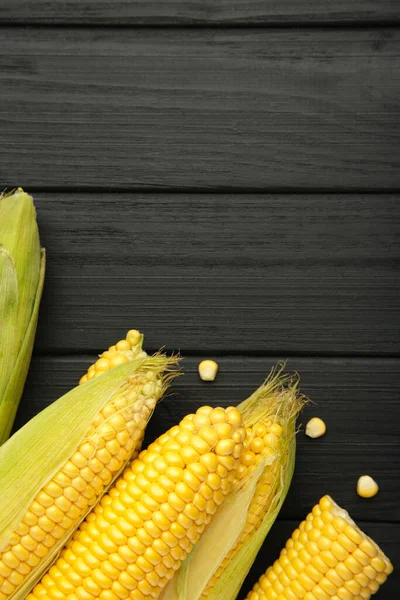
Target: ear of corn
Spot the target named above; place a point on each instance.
(137, 537)
(327, 557)
(57, 467)
(22, 267)
(268, 460)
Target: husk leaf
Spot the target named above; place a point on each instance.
(30, 458)
(10, 398)
(277, 397)
(22, 266)
(109, 385)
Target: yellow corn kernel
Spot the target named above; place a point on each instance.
(208, 370)
(315, 428)
(367, 487)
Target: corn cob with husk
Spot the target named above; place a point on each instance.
(220, 562)
(137, 537)
(57, 467)
(327, 558)
(22, 267)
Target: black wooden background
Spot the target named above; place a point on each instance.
(224, 176)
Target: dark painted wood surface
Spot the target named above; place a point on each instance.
(172, 12)
(200, 108)
(88, 112)
(222, 273)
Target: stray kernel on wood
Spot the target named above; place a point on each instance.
(367, 487)
(208, 370)
(315, 428)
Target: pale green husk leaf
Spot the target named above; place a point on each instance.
(63, 426)
(30, 458)
(22, 267)
(11, 396)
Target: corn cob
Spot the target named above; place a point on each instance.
(137, 537)
(221, 560)
(22, 266)
(113, 436)
(327, 558)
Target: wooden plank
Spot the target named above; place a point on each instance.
(386, 535)
(283, 274)
(200, 108)
(357, 398)
(173, 12)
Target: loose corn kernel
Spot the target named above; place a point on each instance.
(208, 370)
(315, 428)
(367, 487)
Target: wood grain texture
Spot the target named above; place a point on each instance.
(222, 273)
(359, 399)
(200, 108)
(172, 12)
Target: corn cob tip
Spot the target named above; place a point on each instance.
(122, 352)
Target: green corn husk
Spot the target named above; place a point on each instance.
(35, 453)
(22, 268)
(278, 399)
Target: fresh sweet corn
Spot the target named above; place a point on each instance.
(22, 267)
(136, 538)
(220, 562)
(69, 490)
(327, 558)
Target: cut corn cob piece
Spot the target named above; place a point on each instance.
(220, 562)
(327, 558)
(22, 267)
(91, 448)
(137, 537)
